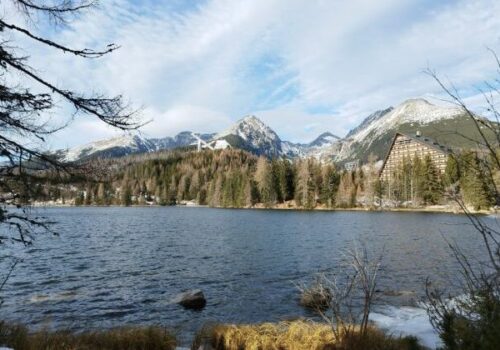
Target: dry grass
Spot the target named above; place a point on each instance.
(296, 335)
(316, 296)
(285, 335)
(147, 338)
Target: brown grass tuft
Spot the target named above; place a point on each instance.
(130, 338)
(296, 335)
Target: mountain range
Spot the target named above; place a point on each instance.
(447, 125)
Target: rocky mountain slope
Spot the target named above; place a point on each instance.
(252, 135)
(129, 144)
(447, 125)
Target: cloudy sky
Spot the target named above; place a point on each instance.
(302, 66)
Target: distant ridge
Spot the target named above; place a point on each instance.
(372, 136)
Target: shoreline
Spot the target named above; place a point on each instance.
(436, 209)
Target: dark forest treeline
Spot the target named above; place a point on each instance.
(235, 178)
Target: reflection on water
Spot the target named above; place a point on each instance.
(116, 266)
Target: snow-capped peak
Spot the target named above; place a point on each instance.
(422, 111)
(326, 138)
(250, 127)
(125, 141)
(410, 111)
(255, 136)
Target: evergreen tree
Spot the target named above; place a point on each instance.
(278, 178)
(80, 198)
(288, 180)
(172, 193)
(126, 197)
(417, 176)
(264, 180)
(101, 194)
(432, 190)
(475, 188)
(371, 183)
(216, 193)
(452, 171)
(330, 184)
(346, 197)
(304, 189)
(88, 195)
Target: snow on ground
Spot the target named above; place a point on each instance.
(407, 321)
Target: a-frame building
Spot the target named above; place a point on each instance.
(407, 147)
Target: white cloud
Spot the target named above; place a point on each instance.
(202, 67)
(184, 117)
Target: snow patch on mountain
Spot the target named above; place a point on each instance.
(293, 150)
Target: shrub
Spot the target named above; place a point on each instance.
(470, 323)
(316, 296)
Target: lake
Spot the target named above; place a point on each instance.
(122, 266)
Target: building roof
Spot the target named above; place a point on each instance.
(427, 141)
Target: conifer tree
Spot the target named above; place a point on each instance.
(452, 171)
(101, 194)
(216, 193)
(431, 183)
(288, 181)
(304, 189)
(264, 180)
(278, 178)
(88, 195)
(348, 189)
(80, 198)
(371, 182)
(126, 195)
(172, 193)
(157, 195)
(330, 184)
(475, 188)
(417, 175)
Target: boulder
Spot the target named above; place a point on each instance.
(399, 293)
(192, 299)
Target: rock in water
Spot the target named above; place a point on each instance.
(192, 299)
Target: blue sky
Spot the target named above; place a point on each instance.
(304, 67)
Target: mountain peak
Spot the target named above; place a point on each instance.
(369, 120)
(416, 101)
(251, 118)
(254, 135)
(253, 122)
(122, 143)
(422, 111)
(248, 127)
(326, 138)
(327, 134)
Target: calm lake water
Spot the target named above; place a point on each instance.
(118, 266)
